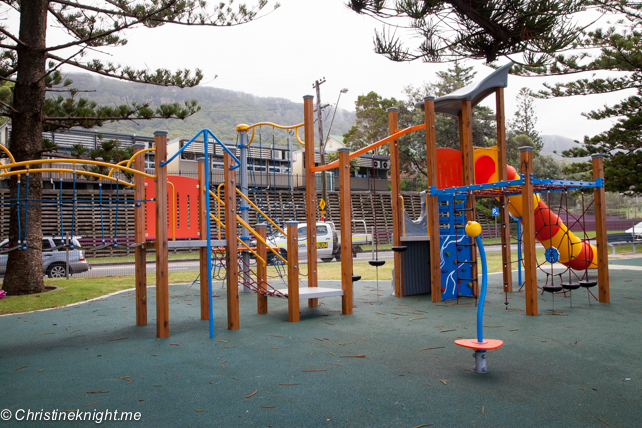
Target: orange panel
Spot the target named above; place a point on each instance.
(185, 206)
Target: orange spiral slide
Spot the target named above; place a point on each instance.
(550, 231)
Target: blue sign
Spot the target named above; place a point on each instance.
(495, 212)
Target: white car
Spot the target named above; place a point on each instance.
(636, 231)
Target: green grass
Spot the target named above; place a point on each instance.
(77, 290)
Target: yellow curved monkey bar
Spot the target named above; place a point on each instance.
(61, 170)
(244, 127)
(173, 210)
(73, 162)
(131, 160)
(8, 153)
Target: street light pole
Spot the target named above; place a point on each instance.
(317, 85)
(336, 107)
(325, 142)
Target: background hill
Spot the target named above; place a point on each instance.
(554, 145)
(221, 109)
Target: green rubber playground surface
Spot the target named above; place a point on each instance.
(388, 365)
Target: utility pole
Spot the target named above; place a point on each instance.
(324, 190)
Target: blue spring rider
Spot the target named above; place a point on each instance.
(473, 229)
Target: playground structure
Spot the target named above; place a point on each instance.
(455, 179)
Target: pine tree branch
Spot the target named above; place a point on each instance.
(162, 77)
(83, 6)
(12, 37)
(8, 107)
(116, 29)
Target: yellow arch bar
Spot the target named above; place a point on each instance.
(131, 160)
(6, 150)
(244, 127)
(39, 170)
(74, 162)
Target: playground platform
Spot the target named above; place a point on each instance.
(388, 365)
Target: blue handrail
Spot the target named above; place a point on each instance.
(205, 132)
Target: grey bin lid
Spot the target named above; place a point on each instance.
(476, 92)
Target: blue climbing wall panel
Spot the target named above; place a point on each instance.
(455, 248)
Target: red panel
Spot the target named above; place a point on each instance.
(448, 168)
(184, 204)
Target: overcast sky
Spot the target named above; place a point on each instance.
(282, 54)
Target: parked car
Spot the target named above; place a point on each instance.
(54, 257)
(636, 231)
(328, 241)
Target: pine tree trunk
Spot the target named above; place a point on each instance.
(24, 268)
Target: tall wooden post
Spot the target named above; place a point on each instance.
(203, 257)
(231, 255)
(504, 217)
(432, 208)
(600, 231)
(293, 271)
(310, 194)
(345, 210)
(261, 270)
(468, 170)
(528, 221)
(396, 206)
(140, 254)
(162, 261)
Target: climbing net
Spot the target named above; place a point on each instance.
(248, 277)
(567, 257)
(76, 211)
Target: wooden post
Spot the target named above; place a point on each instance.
(162, 261)
(504, 217)
(310, 194)
(345, 217)
(261, 270)
(396, 206)
(140, 254)
(600, 231)
(293, 271)
(432, 209)
(468, 170)
(528, 221)
(203, 194)
(231, 255)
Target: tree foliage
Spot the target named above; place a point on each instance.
(33, 65)
(478, 29)
(413, 146)
(616, 50)
(525, 119)
(372, 121)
